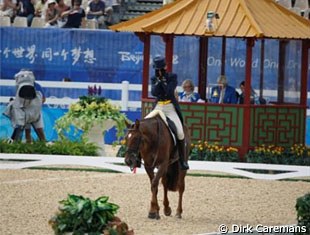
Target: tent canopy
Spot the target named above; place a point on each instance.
(236, 18)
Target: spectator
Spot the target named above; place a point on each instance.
(61, 8)
(188, 94)
(39, 8)
(223, 93)
(8, 8)
(75, 15)
(38, 126)
(25, 8)
(109, 10)
(254, 99)
(51, 14)
(96, 11)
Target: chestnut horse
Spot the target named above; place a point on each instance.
(151, 141)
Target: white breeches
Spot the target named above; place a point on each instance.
(170, 112)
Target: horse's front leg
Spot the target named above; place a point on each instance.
(154, 210)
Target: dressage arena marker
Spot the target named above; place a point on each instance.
(21, 161)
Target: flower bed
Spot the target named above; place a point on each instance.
(204, 151)
(295, 155)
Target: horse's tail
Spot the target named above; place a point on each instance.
(172, 176)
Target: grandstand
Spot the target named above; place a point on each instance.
(129, 9)
(134, 8)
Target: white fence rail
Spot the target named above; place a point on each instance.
(10, 161)
(124, 87)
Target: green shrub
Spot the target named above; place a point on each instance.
(303, 213)
(61, 147)
(81, 215)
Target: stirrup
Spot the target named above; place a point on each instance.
(184, 166)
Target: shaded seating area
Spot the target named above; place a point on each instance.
(281, 123)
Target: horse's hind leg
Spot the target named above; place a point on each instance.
(181, 188)
(167, 209)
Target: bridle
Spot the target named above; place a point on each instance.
(133, 152)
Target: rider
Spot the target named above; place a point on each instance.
(163, 88)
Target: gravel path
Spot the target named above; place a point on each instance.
(30, 197)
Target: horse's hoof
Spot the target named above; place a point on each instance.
(179, 216)
(167, 211)
(153, 215)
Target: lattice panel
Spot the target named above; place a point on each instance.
(281, 126)
(147, 107)
(224, 124)
(277, 125)
(194, 118)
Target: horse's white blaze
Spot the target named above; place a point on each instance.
(129, 135)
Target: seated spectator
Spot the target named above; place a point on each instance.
(39, 8)
(61, 8)
(188, 94)
(109, 10)
(223, 93)
(8, 8)
(75, 15)
(51, 14)
(25, 8)
(254, 99)
(96, 11)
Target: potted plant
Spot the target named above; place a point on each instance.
(94, 115)
(79, 215)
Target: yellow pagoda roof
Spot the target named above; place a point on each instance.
(236, 18)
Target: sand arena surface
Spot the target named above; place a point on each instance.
(30, 197)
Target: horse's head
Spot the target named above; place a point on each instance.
(133, 141)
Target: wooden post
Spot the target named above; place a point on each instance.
(304, 71)
(146, 39)
(262, 59)
(202, 67)
(281, 71)
(223, 55)
(304, 79)
(247, 111)
(168, 39)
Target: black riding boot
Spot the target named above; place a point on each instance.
(181, 150)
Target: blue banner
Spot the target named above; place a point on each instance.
(110, 57)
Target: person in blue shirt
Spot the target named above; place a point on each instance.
(163, 85)
(223, 93)
(96, 11)
(188, 94)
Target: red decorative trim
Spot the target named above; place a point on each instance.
(146, 65)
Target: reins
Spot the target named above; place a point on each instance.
(135, 150)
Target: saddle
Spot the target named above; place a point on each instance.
(170, 124)
(172, 129)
